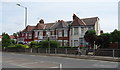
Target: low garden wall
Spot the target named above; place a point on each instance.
(98, 52)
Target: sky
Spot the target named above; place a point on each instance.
(12, 19)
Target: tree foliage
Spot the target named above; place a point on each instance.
(115, 36)
(6, 41)
(105, 40)
(90, 37)
(15, 35)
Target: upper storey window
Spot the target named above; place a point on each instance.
(76, 31)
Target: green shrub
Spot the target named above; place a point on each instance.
(19, 45)
(51, 44)
(11, 46)
(33, 44)
(25, 46)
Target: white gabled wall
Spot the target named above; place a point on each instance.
(97, 27)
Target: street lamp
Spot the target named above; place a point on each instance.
(48, 35)
(25, 13)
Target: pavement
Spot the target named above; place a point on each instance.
(91, 57)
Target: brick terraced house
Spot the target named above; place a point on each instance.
(68, 33)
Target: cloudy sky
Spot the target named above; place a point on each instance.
(12, 19)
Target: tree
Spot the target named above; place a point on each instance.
(90, 37)
(3, 34)
(115, 36)
(15, 35)
(99, 41)
(106, 38)
(6, 41)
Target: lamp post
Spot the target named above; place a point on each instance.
(48, 34)
(25, 13)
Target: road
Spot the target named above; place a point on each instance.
(14, 60)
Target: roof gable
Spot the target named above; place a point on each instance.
(84, 21)
(77, 21)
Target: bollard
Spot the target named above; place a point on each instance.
(46, 50)
(66, 51)
(37, 50)
(31, 50)
(55, 50)
(24, 50)
(113, 53)
(60, 66)
(49, 50)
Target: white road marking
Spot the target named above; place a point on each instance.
(54, 67)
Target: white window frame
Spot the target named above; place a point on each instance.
(52, 32)
(22, 34)
(30, 37)
(60, 42)
(30, 34)
(41, 33)
(65, 42)
(60, 33)
(25, 34)
(89, 28)
(82, 31)
(76, 43)
(65, 33)
(76, 31)
(36, 34)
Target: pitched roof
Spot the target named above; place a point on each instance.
(84, 21)
(77, 21)
(90, 21)
(39, 26)
(59, 24)
(29, 28)
(69, 22)
(48, 25)
(12, 37)
(0, 36)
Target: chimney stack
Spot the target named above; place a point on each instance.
(41, 21)
(74, 16)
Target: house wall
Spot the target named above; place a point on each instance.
(97, 27)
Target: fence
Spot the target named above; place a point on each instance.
(71, 51)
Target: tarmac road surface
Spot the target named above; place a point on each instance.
(15, 60)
